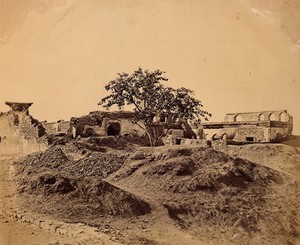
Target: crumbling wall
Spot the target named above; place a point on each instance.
(97, 123)
(50, 127)
(250, 134)
(264, 126)
(19, 133)
(219, 145)
(64, 126)
(278, 133)
(57, 127)
(218, 133)
(280, 115)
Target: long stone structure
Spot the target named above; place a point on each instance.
(264, 126)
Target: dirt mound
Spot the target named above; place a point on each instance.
(202, 187)
(94, 164)
(78, 199)
(89, 163)
(200, 168)
(283, 158)
(103, 144)
(46, 184)
(51, 158)
(193, 190)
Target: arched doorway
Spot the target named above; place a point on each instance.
(261, 117)
(272, 117)
(113, 129)
(284, 117)
(215, 137)
(238, 118)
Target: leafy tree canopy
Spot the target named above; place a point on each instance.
(144, 90)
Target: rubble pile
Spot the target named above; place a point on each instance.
(94, 164)
(53, 157)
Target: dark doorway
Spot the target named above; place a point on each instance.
(114, 129)
(178, 141)
(251, 139)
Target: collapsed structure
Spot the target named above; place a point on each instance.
(104, 123)
(19, 131)
(264, 126)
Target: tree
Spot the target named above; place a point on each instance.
(144, 90)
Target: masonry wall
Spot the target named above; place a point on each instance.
(219, 132)
(126, 127)
(247, 134)
(280, 115)
(19, 134)
(50, 127)
(278, 133)
(97, 123)
(57, 127)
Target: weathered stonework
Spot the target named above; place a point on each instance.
(102, 123)
(265, 126)
(57, 128)
(19, 132)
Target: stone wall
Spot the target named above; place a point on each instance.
(218, 133)
(281, 115)
(105, 123)
(265, 126)
(57, 127)
(20, 133)
(50, 127)
(250, 134)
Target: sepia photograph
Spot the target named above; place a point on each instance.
(134, 122)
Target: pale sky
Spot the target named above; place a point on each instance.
(237, 55)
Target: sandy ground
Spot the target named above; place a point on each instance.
(13, 232)
(267, 189)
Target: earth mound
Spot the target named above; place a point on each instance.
(281, 157)
(59, 158)
(51, 158)
(75, 190)
(202, 187)
(78, 199)
(248, 195)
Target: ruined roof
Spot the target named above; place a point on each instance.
(113, 114)
(256, 112)
(245, 123)
(18, 106)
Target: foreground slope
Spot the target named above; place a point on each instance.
(170, 195)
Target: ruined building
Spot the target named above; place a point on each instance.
(103, 123)
(19, 131)
(60, 127)
(264, 126)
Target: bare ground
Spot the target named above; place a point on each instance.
(169, 195)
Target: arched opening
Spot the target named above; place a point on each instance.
(224, 137)
(114, 129)
(88, 132)
(215, 137)
(272, 117)
(261, 117)
(284, 117)
(238, 118)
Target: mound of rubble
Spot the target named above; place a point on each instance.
(78, 199)
(202, 187)
(89, 163)
(196, 189)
